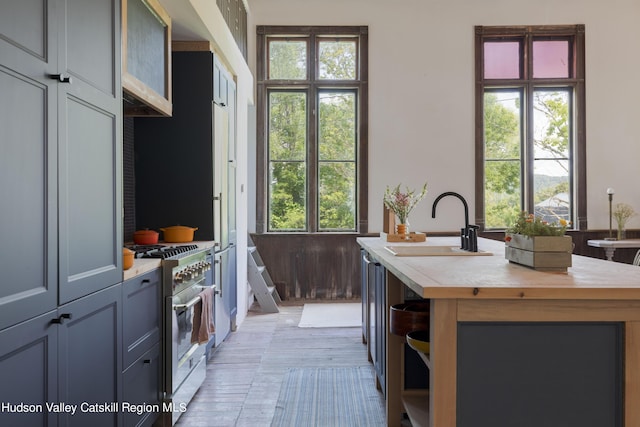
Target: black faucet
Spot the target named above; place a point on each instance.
(468, 234)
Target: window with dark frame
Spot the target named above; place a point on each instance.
(530, 124)
(311, 129)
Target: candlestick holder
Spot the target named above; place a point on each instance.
(610, 193)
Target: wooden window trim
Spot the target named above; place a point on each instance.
(577, 81)
(263, 85)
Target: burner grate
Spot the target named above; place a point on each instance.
(160, 251)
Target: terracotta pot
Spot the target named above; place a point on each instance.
(127, 258)
(178, 234)
(402, 229)
(145, 237)
(408, 317)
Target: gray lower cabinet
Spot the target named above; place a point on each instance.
(142, 320)
(141, 383)
(381, 324)
(223, 296)
(374, 307)
(29, 372)
(531, 374)
(71, 355)
(90, 358)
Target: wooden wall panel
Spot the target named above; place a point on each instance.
(312, 266)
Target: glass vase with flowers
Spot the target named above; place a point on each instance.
(622, 213)
(402, 203)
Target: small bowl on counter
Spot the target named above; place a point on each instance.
(419, 341)
(409, 316)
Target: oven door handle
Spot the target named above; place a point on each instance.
(190, 303)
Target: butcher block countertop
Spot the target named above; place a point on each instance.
(144, 265)
(493, 277)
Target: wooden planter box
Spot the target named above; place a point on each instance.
(545, 253)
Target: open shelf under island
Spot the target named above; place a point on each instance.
(515, 346)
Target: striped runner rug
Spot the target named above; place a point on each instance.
(329, 397)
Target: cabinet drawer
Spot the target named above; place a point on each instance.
(141, 314)
(141, 395)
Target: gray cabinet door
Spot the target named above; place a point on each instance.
(141, 384)
(141, 300)
(220, 84)
(233, 167)
(28, 151)
(90, 152)
(90, 357)
(381, 324)
(28, 372)
(221, 300)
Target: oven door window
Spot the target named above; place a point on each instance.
(183, 319)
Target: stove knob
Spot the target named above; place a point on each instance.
(178, 278)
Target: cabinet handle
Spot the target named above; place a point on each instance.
(144, 281)
(147, 361)
(61, 78)
(61, 318)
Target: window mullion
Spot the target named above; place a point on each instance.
(528, 170)
(312, 158)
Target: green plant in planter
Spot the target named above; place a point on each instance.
(529, 225)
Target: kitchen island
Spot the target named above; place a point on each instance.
(515, 346)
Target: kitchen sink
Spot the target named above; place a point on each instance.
(432, 251)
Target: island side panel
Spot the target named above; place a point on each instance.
(393, 380)
(627, 311)
(540, 373)
(632, 374)
(444, 350)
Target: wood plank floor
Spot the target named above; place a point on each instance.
(245, 374)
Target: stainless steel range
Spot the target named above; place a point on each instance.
(183, 279)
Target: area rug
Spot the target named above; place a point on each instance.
(329, 397)
(331, 315)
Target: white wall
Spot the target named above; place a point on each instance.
(421, 92)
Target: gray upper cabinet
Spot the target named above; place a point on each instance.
(28, 168)
(60, 156)
(220, 84)
(90, 154)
